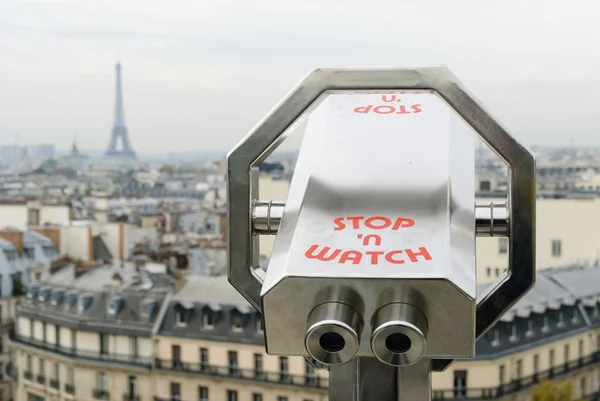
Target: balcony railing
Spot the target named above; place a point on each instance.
(41, 379)
(69, 389)
(517, 384)
(6, 324)
(54, 384)
(89, 355)
(100, 394)
(244, 374)
(28, 374)
(131, 397)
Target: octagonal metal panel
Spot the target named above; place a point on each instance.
(243, 161)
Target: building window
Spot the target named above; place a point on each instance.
(561, 319)
(55, 371)
(460, 383)
(259, 326)
(257, 397)
(208, 319)
(575, 318)
(175, 391)
(502, 245)
(496, 338)
(283, 368)
(519, 368)
(57, 334)
(103, 343)
(582, 388)
(133, 346)
(176, 356)
(566, 354)
(530, 328)
(73, 339)
(232, 358)
(237, 322)
(581, 350)
(556, 248)
(203, 393)
(546, 326)
(258, 365)
(132, 387)
(551, 358)
(70, 376)
(501, 374)
(42, 367)
(1, 345)
(204, 361)
(180, 318)
(536, 363)
(309, 373)
(101, 381)
(514, 332)
(488, 272)
(29, 364)
(232, 395)
(497, 272)
(44, 332)
(280, 398)
(31, 328)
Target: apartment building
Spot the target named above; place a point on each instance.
(565, 234)
(122, 333)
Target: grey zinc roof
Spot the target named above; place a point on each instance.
(555, 288)
(31, 238)
(210, 289)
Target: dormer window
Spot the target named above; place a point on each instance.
(546, 326)
(530, 328)
(575, 318)
(496, 338)
(259, 325)
(237, 321)
(57, 297)
(85, 301)
(44, 294)
(114, 306)
(71, 299)
(513, 333)
(208, 318)
(182, 313)
(561, 319)
(32, 291)
(147, 308)
(28, 252)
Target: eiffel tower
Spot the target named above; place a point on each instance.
(119, 130)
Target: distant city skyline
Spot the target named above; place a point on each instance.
(200, 77)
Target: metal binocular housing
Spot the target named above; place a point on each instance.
(375, 249)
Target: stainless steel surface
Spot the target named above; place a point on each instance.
(302, 101)
(491, 218)
(414, 382)
(266, 217)
(356, 225)
(333, 334)
(399, 334)
(364, 379)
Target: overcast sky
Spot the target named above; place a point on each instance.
(199, 74)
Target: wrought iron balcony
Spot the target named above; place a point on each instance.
(69, 388)
(41, 379)
(244, 374)
(131, 397)
(516, 385)
(100, 394)
(79, 354)
(54, 384)
(28, 374)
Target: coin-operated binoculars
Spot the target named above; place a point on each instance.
(372, 274)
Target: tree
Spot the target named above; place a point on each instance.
(167, 169)
(548, 391)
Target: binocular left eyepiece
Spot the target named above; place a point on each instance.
(333, 334)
